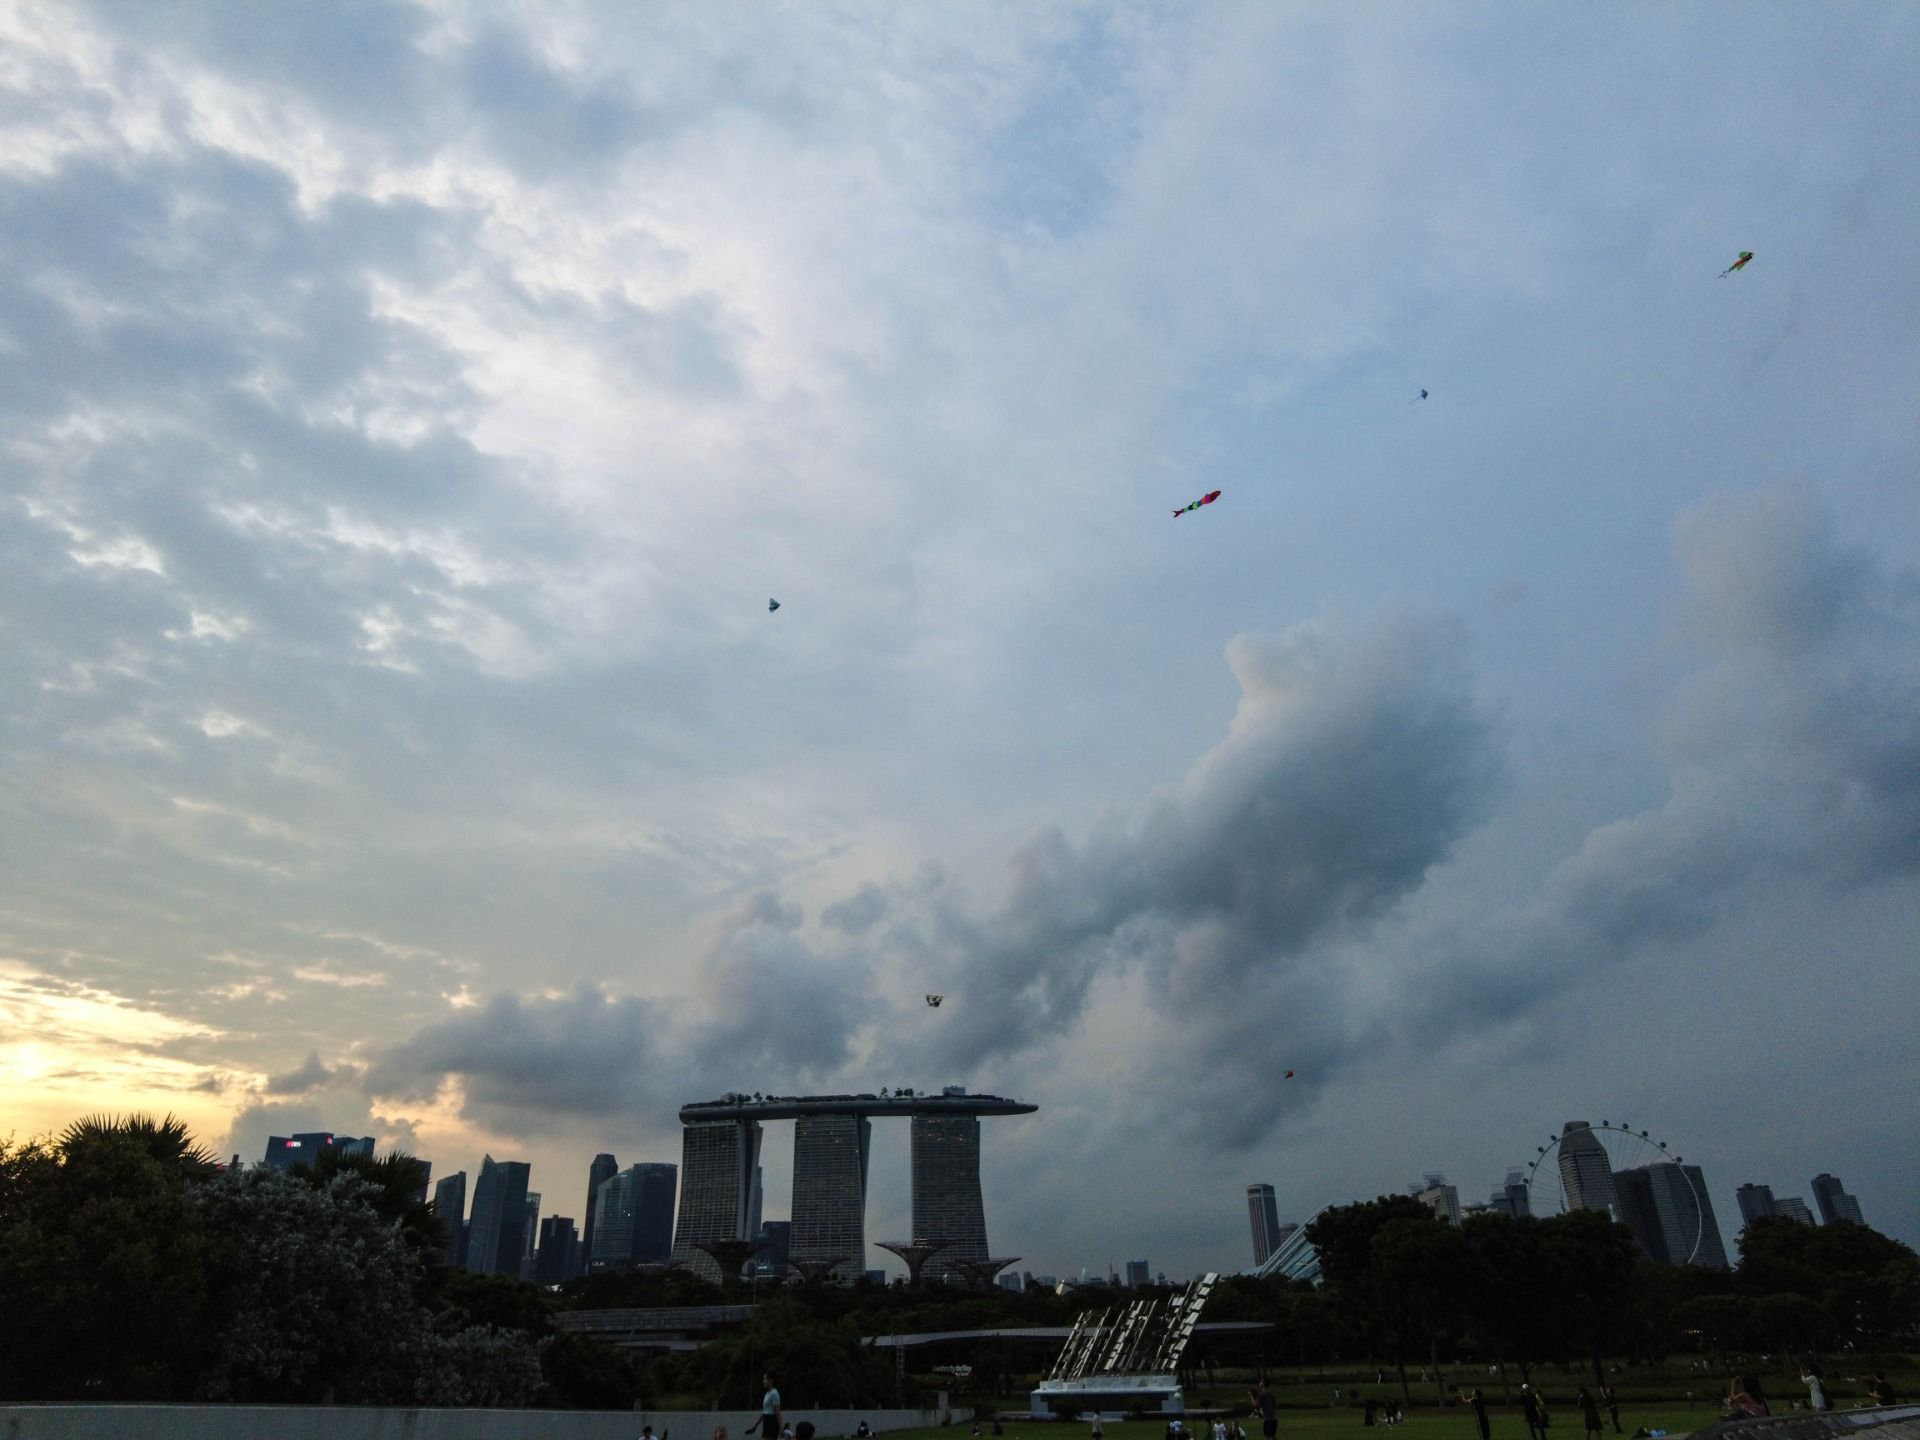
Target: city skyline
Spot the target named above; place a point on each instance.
(406, 413)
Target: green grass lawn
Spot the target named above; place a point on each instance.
(1455, 1423)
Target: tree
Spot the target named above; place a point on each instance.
(1587, 1262)
(102, 1263)
(1420, 1270)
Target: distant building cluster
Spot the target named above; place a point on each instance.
(708, 1206)
(1663, 1203)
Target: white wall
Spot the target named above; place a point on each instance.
(350, 1422)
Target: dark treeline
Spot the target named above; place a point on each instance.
(132, 1268)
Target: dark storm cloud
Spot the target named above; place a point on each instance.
(309, 1075)
(770, 1010)
(1355, 759)
(1793, 755)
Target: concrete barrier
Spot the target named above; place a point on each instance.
(353, 1422)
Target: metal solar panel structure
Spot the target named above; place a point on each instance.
(1124, 1359)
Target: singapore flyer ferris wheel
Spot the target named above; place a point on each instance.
(1630, 1174)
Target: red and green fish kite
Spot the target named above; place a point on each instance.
(1206, 499)
(1745, 256)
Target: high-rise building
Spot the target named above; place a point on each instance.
(450, 1205)
(655, 1184)
(830, 1189)
(1011, 1280)
(1834, 1201)
(556, 1261)
(1439, 1197)
(1667, 1208)
(1756, 1203)
(754, 1205)
(284, 1151)
(633, 1220)
(1794, 1208)
(1514, 1191)
(603, 1169)
(947, 1208)
(496, 1238)
(717, 1161)
(1139, 1276)
(1263, 1213)
(1585, 1171)
(530, 1231)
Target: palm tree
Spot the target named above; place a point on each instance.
(167, 1141)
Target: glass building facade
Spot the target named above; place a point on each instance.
(1585, 1171)
(717, 1161)
(1263, 1214)
(496, 1235)
(830, 1190)
(947, 1208)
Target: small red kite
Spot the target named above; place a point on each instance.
(1206, 499)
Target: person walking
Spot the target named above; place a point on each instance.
(1534, 1413)
(1589, 1413)
(1479, 1404)
(769, 1422)
(1612, 1402)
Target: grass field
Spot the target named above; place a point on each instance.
(1452, 1424)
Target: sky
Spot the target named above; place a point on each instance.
(408, 410)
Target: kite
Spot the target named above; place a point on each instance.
(1289, 1075)
(1418, 398)
(772, 605)
(1745, 256)
(934, 1000)
(1206, 499)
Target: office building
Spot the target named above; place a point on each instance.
(1511, 1197)
(556, 1260)
(1756, 1203)
(1667, 1208)
(1139, 1276)
(1439, 1197)
(754, 1217)
(603, 1169)
(1263, 1213)
(1586, 1174)
(530, 1231)
(1834, 1202)
(830, 1190)
(717, 1161)
(1793, 1208)
(286, 1151)
(1011, 1280)
(496, 1236)
(947, 1206)
(633, 1220)
(450, 1205)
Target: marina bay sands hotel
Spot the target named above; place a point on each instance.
(720, 1158)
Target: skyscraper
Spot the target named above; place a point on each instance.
(1834, 1202)
(1794, 1208)
(1585, 1171)
(830, 1189)
(556, 1260)
(530, 1234)
(1667, 1208)
(284, 1152)
(603, 1169)
(947, 1208)
(754, 1204)
(655, 1185)
(1263, 1212)
(1139, 1275)
(450, 1205)
(633, 1220)
(496, 1237)
(1756, 1203)
(717, 1160)
(1439, 1197)
(771, 1263)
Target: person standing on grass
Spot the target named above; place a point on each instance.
(1269, 1409)
(1479, 1404)
(1534, 1413)
(1589, 1413)
(1612, 1402)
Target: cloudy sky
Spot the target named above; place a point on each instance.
(407, 411)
